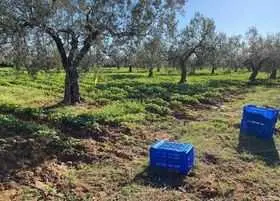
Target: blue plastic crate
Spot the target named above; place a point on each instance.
(172, 156)
(259, 121)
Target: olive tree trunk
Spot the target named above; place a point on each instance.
(183, 68)
(151, 72)
(213, 70)
(256, 68)
(254, 74)
(273, 74)
(71, 86)
(71, 61)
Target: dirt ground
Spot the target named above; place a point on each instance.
(115, 167)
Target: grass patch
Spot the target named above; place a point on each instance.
(98, 150)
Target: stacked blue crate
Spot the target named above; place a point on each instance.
(259, 121)
(172, 156)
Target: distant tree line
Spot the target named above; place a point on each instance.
(80, 35)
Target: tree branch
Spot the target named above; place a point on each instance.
(74, 43)
(54, 35)
(87, 44)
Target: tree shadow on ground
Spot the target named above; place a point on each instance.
(26, 145)
(53, 106)
(141, 91)
(209, 74)
(19, 155)
(125, 76)
(264, 149)
(124, 70)
(169, 74)
(203, 90)
(159, 178)
(29, 138)
(82, 126)
(264, 82)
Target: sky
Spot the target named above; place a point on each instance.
(236, 16)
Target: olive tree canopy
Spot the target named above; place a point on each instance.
(196, 37)
(75, 25)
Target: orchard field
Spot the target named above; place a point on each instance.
(98, 150)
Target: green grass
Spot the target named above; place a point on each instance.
(98, 149)
(117, 89)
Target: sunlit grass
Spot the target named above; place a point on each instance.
(145, 107)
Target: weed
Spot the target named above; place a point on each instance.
(125, 112)
(154, 108)
(185, 99)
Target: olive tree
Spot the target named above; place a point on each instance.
(214, 54)
(273, 45)
(152, 50)
(256, 52)
(130, 49)
(116, 55)
(232, 52)
(197, 36)
(75, 25)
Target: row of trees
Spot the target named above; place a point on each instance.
(79, 34)
(199, 45)
(33, 28)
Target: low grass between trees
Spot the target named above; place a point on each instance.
(98, 150)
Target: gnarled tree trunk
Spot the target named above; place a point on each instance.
(183, 72)
(71, 61)
(273, 74)
(71, 87)
(213, 70)
(151, 72)
(256, 67)
(192, 70)
(254, 74)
